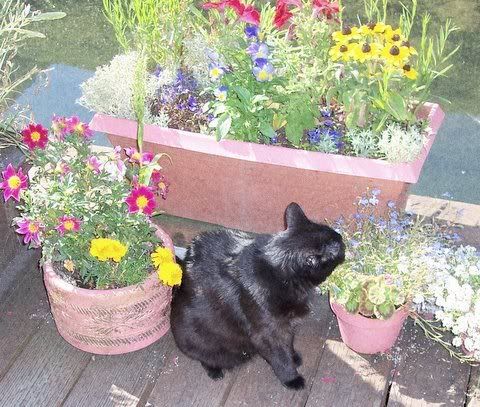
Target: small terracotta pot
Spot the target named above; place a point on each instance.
(367, 335)
(110, 322)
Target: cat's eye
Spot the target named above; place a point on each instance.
(312, 261)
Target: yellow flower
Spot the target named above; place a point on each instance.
(69, 265)
(395, 55)
(365, 51)
(341, 51)
(372, 28)
(393, 36)
(410, 72)
(170, 274)
(411, 50)
(161, 255)
(104, 249)
(346, 34)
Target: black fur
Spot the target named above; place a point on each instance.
(241, 294)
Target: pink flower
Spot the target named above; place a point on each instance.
(388, 279)
(137, 158)
(59, 126)
(94, 164)
(141, 199)
(68, 224)
(160, 184)
(282, 15)
(13, 183)
(62, 168)
(35, 136)
(250, 15)
(31, 230)
(74, 125)
(326, 8)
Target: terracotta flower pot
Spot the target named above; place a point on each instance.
(110, 322)
(367, 335)
(250, 185)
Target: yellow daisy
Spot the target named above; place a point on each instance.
(395, 55)
(170, 274)
(346, 34)
(409, 72)
(341, 51)
(366, 51)
(393, 36)
(372, 28)
(406, 44)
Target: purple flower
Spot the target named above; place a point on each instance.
(326, 113)
(274, 139)
(391, 204)
(31, 230)
(376, 192)
(258, 50)
(251, 31)
(158, 71)
(313, 136)
(264, 73)
(328, 123)
(363, 201)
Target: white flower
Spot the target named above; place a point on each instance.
(468, 343)
(457, 341)
(476, 355)
(418, 299)
(473, 270)
(116, 169)
(447, 321)
(462, 324)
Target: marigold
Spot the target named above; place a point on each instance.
(170, 274)
(161, 255)
(104, 249)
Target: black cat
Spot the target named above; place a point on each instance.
(241, 294)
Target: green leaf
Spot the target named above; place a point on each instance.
(244, 94)
(352, 305)
(53, 15)
(30, 33)
(376, 294)
(267, 130)
(223, 127)
(384, 311)
(397, 106)
(366, 308)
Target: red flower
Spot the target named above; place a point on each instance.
(250, 15)
(160, 184)
(35, 136)
(216, 6)
(282, 15)
(13, 183)
(68, 224)
(326, 8)
(141, 199)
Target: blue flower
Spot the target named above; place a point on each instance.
(313, 136)
(264, 73)
(274, 139)
(192, 103)
(326, 113)
(363, 201)
(258, 50)
(221, 93)
(328, 123)
(251, 31)
(391, 204)
(215, 71)
(376, 192)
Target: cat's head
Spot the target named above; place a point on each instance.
(306, 251)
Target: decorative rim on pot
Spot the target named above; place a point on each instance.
(112, 321)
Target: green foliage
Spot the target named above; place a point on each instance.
(157, 26)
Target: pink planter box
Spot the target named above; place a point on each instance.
(248, 186)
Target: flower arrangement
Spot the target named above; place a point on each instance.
(295, 74)
(386, 263)
(89, 211)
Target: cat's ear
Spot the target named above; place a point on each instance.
(294, 216)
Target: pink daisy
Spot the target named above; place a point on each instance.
(141, 199)
(160, 183)
(35, 136)
(13, 183)
(68, 224)
(31, 230)
(136, 157)
(94, 164)
(74, 125)
(59, 126)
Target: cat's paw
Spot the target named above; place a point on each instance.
(214, 373)
(296, 384)
(297, 359)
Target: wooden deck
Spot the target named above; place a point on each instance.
(38, 368)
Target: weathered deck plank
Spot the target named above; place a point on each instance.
(118, 380)
(473, 396)
(45, 371)
(256, 385)
(183, 382)
(22, 312)
(426, 375)
(346, 378)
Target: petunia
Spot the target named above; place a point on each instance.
(93, 164)
(137, 157)
(325, 7)
(74, 125)
(160, 184)
(68, 224)
(221, 93)
(263, 72)
(141, 199)
(59, 126)
(13, 183)
(31, 230)
(35, 136)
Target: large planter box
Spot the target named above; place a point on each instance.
(248, 186)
